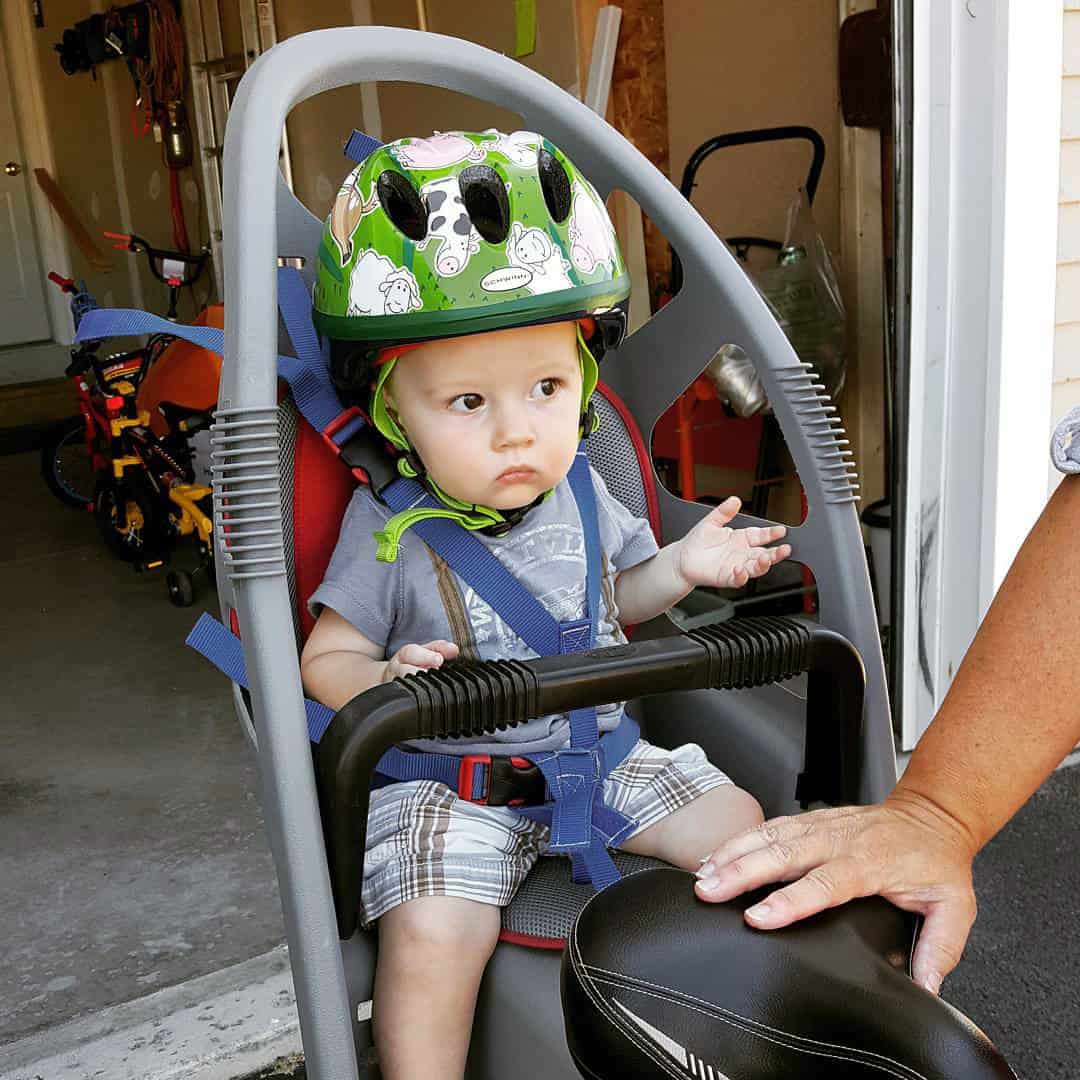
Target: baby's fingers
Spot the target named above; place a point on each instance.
(779, 554)
(725, 512)
(419, 657)
(446, 649)
(759, 537)
(760, 560)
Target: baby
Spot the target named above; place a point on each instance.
(489, 417)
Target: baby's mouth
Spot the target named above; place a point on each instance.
(516, 474)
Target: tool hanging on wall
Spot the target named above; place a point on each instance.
(148, 37)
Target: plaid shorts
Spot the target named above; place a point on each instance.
(422, 840)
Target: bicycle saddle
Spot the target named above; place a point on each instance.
(658, 983)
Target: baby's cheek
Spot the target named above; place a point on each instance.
(453, 460)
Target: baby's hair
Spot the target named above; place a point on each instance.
(352, 366)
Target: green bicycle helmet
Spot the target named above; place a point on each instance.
(456, 234)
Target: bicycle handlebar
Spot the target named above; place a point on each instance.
(164, 263)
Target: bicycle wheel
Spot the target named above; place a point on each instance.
(127, 517)
(66, 466)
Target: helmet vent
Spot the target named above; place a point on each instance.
(402, 204)
(484, 195)
(555, 184)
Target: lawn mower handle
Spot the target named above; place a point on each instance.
(469, 699)
(748, 138)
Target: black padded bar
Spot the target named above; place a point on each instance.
(469, 699)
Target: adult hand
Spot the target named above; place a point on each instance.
(906, 849)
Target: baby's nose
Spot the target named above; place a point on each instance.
(514, 428)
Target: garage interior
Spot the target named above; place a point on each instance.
(129, 806)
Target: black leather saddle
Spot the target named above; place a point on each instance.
(656, 983)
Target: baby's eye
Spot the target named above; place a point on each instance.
(466, 403)
(546, 388)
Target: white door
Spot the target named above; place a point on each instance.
(23, 315)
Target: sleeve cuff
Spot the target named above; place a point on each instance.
(639, 548)
(349, 608)
(1065, 444)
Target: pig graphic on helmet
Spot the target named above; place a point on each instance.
(449, 226)
(592, 241)
(442, 149)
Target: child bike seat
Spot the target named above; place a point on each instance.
(657, 983)
(765, 736)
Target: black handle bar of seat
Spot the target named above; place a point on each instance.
(470, 699)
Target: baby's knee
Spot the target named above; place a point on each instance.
(443, 926)
(744, 811)
(734, 811)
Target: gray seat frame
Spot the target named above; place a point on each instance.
(519, 1025)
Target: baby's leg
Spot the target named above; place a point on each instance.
(688, 834)
(683, 804)
(432, 954)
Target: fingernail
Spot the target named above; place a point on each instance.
(932, 982)
(709, 883)
(706, 869)
(759, 911)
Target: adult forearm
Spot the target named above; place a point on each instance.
(1013, 711)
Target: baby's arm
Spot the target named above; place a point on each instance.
(338, 662)
(709, 554)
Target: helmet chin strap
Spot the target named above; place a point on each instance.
(476, 518)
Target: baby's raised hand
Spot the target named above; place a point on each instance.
(410, 659)
(713, 554)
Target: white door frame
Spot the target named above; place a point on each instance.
(986, 144)
(30, 116)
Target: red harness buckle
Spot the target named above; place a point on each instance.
(508, 781)
(465, 778)
(335, 425)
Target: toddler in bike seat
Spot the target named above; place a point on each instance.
(469, 285)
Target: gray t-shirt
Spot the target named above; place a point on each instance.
(419, 598)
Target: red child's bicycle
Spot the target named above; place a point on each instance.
(130, 455)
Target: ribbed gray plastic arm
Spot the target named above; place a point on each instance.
(716, 305)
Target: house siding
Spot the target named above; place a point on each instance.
(1066, 392)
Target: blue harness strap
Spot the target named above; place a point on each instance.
(223, 649)
(479, 568)
(307, 373)
(129, 322)
(582, 826)
(360, 146)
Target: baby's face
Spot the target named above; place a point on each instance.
(495, 416)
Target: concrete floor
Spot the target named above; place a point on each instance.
(131, 840)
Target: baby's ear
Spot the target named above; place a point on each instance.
(391, 406)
